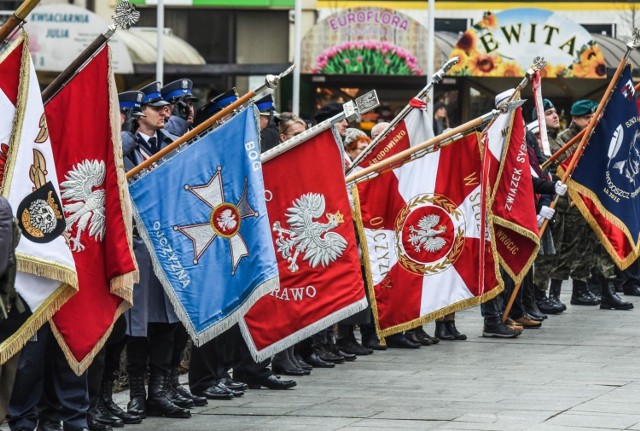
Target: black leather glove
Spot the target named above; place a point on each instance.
(129, 122)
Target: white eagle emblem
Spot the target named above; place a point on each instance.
(314, 239)
(84, 195)
(426, 236)
(227, 220)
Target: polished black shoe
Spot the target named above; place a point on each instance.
(216, 393)
(286, 371)
(374, 345)
(270, 382)
(414, 336)
(337, 351)
(106, 398)
(399, 341)
(48, 425)
(442, 331)
(234, 384)
(102, 415)
(302, 364)
(235, 392)
(95, 425)
(457, 335)
(351, 345)
(316, 362)
(179, 393)
(327, 355)
(424, 338)
(633, 290)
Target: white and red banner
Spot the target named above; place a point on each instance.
(425, 237)
(321, 280)
(96, 207)
(510, 194)
(536, 85)
(46, 271)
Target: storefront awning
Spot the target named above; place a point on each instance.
(142, 46)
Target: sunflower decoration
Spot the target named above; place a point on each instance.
(468, 41)
(488, 21)
(485, 65)
(511, 69)
(463, 62)
(589, 63)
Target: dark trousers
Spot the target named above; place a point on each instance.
(210, 362)
(156, 350)
(180, 341)
(107, 361)
(42, 361)
(630, 276)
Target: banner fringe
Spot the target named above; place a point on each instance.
(17, 340)
(45, 269)
(519, 277)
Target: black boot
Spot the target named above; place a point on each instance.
(282, 364)
(610, 298)
(179, 392)
(137, 395)
(554, 292)
(594, 288)
(106, 398)
(442, 331)
(102, 415)
(451, 326)
(529, 303)
(580, 295)
(159, 402)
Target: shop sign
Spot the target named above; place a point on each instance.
(369, 41)
(58, 33)
(505, 44)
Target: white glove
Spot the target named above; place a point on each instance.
(561, 188)
(546, 212)
(540, 220)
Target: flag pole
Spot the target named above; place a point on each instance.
(583, 142)
(435, 79)
(271, 82)
(125, 16)
(17, 18)
(449, 135)
(555, 156)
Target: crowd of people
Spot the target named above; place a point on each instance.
(47, 395)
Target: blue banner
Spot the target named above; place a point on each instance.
(203, 216)
(606, 182)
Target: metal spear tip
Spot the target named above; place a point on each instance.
(450, 63)
(539, 63)
(510, 106)
(126, 15)
(367, 102)
(635, 39)
(272, 81)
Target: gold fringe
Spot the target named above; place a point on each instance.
(16, 341)
(47, 269)
(517, 278)
(80, 367)
(122, 286)
(18, 120)
(576, 190)
(366, 262)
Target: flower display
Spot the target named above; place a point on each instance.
(590, 62)
(367, 57)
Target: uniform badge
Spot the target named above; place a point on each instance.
(158, 86)
(40, 215)
(139, 97)
(185, 86)
(430, 233)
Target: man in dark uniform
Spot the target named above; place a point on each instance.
(151, 322)
(269, 136)
(181, 111)
(104, 413)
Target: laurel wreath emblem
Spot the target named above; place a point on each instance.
(446, 204)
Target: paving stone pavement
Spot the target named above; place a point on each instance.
(578, 372)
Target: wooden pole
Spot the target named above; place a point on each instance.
(578, 153)
(17, 18)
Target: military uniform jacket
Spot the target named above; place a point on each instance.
(150, 302)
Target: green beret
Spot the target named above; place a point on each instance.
(583, 107)
(546, 104)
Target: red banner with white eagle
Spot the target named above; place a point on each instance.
(510, 194)
(321, 280)
(85, 135)
(425, 240)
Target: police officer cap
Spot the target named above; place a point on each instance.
(220, 102)
(546, 104)
(501, 97)
(266, 106)
(583, 107)
(130, 100)
(152, 96)
(327, 111)
(180, 88)
(534, 126)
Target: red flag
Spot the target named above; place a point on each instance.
(320, 277)
(425, 239)
(511, 201)
(85, 134)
